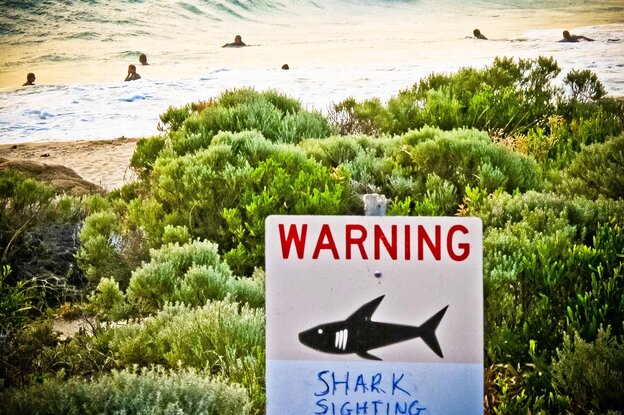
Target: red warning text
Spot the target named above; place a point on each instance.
(356, 241)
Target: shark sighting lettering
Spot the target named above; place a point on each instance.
(365, 394)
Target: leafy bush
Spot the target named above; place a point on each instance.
(367, 117)
(192, 274)
(148, 391)
(191, 127)
(15, 304)
(15, 301)
(502, 209)
(22, 353)
(300, 125)
(597, 171)
(439, 199)
(224, 193)
(38, 238)
(583, 122)
(108, 302)
(101, 246)
(221, 337)
(145, 154)
(519, 390)
(584, 86)
(552, 265)
(176, 234)
(509, 95)
(466, 162)
(276, 116)
(514, 100)
(591, 373)
(336, 150)
(540, 274)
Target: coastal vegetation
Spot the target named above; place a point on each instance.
(167, 272)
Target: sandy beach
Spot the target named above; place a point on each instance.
(102, 162)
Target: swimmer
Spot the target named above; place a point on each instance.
(30, 79)
(477, 33)
(567, 37)
(143, 59)
(132, 74)
(285, 67)
(238, 42)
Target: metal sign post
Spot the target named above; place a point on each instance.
(374, 315)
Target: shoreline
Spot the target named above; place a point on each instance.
(105, 163)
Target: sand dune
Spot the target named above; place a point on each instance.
(102, 162)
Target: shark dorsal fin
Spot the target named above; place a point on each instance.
(365, 312)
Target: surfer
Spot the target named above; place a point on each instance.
(567, 37)
(30, 79)
(477, 33)
(238, 42)
(143, 59)
(132, 74)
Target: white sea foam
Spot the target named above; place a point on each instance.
(359, 48)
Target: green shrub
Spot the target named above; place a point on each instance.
(148, 391)
(173, 118)
(519, 390)
(352, 117)
(442, 109)
(368, 172)
(15, 302)
(225, 192)
(95, 203)
(439, 199)
(597, 171)
(192, 274)
(101, 247)
(598, 300)
(475, 163)
(221, 337)
(336, 150)
(584, 86)
(297, 126)
(585, 123)
(543, 277)
(585, 215)
(37, 238)
(145, 154)
(175, 234)
(509, 95)
(276, 116)
(108, 302)
(22, 353)
(591, 373)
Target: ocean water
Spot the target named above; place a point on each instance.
(80, 51)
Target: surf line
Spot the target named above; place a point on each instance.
(406, 242)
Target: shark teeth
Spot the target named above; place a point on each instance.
(341, 339)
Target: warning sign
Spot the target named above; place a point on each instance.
(374, 315)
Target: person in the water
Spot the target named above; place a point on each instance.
(238, 42)
(477, 33)
(567, 37)
(143, 59)
(132, 74)
(30, 79)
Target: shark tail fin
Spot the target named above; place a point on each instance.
(427, 332)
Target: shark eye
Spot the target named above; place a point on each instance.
(320, 331)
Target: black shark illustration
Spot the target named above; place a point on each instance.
(358, 334)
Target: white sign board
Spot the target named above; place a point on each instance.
(374, 315)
